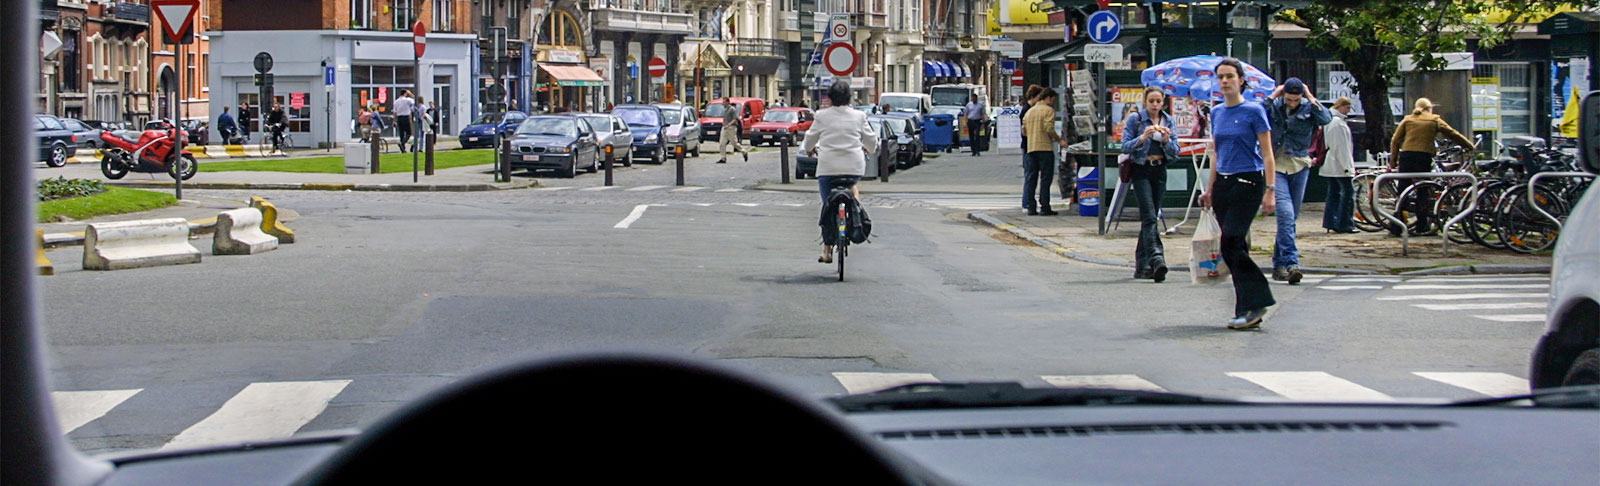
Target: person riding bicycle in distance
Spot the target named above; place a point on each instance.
(840, 139)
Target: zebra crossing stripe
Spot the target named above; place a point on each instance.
(1514, 317)
(645, 188)
(1471, 286)
(792, 205)
(1366, 279)
(687, 189)
(598, 188)
(261, 411)
(1487, 383)
(748, 205)
(731, 189)
(76, 408)
(1351, 287)
(703, 204)
(1464, 296)
(870, 382)
(1120, 382)
(1479, 279)
(1494, 306)
(1312, 386)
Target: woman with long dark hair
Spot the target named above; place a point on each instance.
(1240, 185)
(1150, 143)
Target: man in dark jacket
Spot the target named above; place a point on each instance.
(1295, 116)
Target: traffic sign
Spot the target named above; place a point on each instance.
(419, 38)
(840, 59)
(838, 28)
(177, 18)
(1102, 52)
(263, 62)
(1104, 26)
(1016, 78)
(327, 76)
(658, 67)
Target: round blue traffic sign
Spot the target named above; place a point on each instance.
(1104, 26)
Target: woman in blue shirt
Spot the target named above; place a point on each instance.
(1241, 184)
(1150, 143)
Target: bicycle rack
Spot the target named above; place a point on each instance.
(1405, 232)
(1535, 180)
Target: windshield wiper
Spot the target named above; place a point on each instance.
(1585, 396)
(1007, 394)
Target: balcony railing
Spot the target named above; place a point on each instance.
(755, 47)
(621, 15)
(130, 12)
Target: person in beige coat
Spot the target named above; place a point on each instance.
(1339, 168)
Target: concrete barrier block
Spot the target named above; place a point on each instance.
(137, 244)
(269, 221)
(239, 233)
(45, 267)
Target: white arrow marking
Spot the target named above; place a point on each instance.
(1104, 26)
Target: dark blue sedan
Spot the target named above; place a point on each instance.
(481, 132)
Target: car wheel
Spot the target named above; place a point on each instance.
(696, 151)
(58, 155)
(627, 160)
(1585, 370)
(569, 172)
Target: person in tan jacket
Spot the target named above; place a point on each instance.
(1412, 150)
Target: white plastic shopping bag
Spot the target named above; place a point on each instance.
(1205, 255)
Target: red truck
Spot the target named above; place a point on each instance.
(750, 112)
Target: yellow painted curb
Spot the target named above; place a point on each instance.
(234, 150)
(269, 220)
(45, 267)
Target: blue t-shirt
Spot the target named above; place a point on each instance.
(1235, 130)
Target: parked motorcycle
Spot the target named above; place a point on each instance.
(150, 154)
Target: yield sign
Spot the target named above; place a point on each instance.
(177, 17)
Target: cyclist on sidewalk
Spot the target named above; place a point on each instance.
(277, 121)
(841, 139)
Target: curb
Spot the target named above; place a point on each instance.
(314, 186)
(992, 221)
(1486, 269)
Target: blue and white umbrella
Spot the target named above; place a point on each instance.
(1196, 77)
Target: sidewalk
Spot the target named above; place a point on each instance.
(1075, 237)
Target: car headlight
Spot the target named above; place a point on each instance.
(559, 150)
(783, 130)
(651, 138)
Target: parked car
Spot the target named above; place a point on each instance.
(888, 153)
(56, 142)
(195, 128)
(88, 137)
(645, 122)
(481, 132)
(780, 123)
(682, 128)
(612, 132)
(908, 135)
(1569, 352)
(563, 143)
(750, 111)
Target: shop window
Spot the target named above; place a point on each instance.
(1246, 17)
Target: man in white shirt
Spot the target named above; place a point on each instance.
(976, 115)
(402, 117)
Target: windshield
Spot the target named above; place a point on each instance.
(902, 103)
(781, 116)
(564, 127)
(897, 125)
(716, 110)
(951, 96)
(489, 119)
(672, 117)
(648, 117)
(598, 123)
(946, 110)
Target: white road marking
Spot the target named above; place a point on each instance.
(1487, 383)
(633, 216)
(262, 411)
(1312, 386)
(1495, 306)
(1366, 279)
(1120, 382)
(687, 189)
(1464, 296)
(1471, 286)
(704, 204)
(1514, 317)
(76, 408)
(772, 192)
(870, 382)
(748, 205)
(792, 205)
(1478, 279)
(1351, 287)
(598, 188)
(563, 188)
(645, 188)
(731, 189)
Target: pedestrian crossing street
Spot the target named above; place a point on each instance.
(275, 410)
(1495, 298)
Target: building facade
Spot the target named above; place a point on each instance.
(100, 71)
(627, 35)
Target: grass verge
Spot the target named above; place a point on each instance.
(115, 200)
(387, 163)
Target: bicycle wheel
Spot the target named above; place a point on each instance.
(843, 242)
(1363, 216)
(1481, 226)
(1524, 229)
(1436, 189)
(1450, 205)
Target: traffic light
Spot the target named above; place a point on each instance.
(263, 79)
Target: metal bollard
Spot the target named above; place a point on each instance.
(883, 169)
(375, 152)
(680, 164)
(505, 160)
(432, 138)
(611, 160)
(783, 157)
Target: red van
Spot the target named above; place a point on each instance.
(751, 111)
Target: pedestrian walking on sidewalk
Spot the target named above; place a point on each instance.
(1414, 149)
(245, 119)
(1339, 168)
(976, 114)
(1039, 125)
(424, 129)
(1240, 185)
(731, 132)
(1150, 143)
(403, 107)
(1296, 114)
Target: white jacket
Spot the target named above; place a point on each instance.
(1340, 161)
(840, 134)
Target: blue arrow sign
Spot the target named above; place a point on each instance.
(327, 76)
(1104, 26)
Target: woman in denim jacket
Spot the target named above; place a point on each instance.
(1150, 143)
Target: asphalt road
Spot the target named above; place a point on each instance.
(389, 295)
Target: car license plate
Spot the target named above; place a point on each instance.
(530, 158)
(472, 139)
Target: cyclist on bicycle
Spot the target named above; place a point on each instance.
(840, 139)
(277, 121)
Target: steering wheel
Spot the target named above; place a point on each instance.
(613, 419)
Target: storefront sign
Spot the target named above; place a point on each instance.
(383, 95)
(1024, 12)
(563, 56)
(1007, 47)
(1342, 83)
(602, 67)
(297, 101)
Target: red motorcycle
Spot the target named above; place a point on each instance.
(150, 154)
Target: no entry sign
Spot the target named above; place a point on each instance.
(840, 59)
(658, 67)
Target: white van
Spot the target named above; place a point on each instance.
(958, 94)
(921, 104)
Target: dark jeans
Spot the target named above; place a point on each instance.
(825, 185)
(973, 127)
(1339, 213)
(1422, 201)
(403, 128)
(1150, 185)
(1236, 200)
(1038, 172)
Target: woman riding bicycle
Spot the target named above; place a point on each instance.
(1413, 142)
(840, 139)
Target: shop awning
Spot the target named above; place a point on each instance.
(754, 66)
(572, 75)
(928, 71)
(966, 71)
(1058, 52)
